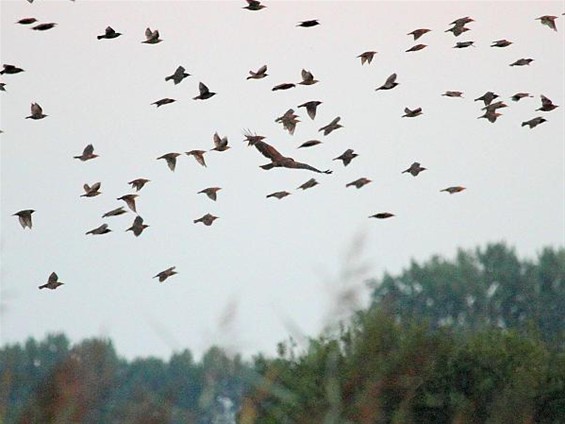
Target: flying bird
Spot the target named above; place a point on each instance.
(211, 192)
(151, 37)
(501, 43)
(289, 121)
(518, 96)
(491, 115)
(487, 98)
(310, 143)
(278, 194)
(179, 74)
(205, 93)
(417, 33)
(347, 156)
(259, 74)
(546, 104)
(207, 219)
(103, 229)
(534, 122)
(10, 69)
(171, 159)
(389, 84)
(36, 112)
(44, 27)
(163, 275)
(462, 21)
(382, 215)
(198, 155)
(130, 200)
(308, 24)
(453, 189)
(548, 21)
(87, 154)
(414, 169)
(416, 48)
(308, 184)
(138, 183)
(115, 212)
(91, 191)
(522, 62)
(311, 107)
(138, 226)
(453, 94)
(307, 78)
(283, 86)
(367, 57)
(332, 126)
(463, 44)
(254, 5)
(164, 101)
(411, 113)
(24, 216)
(220, 143)
(109, 34)
(26, 21)
(457, 30)
(358, 183)
(52, 282)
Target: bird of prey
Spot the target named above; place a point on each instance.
(548, 21)
(130, 200)
(546, 104)
(115, 212)
(163, 275)
(91, 191)
(138, 226)
(307, 78)
(259, 74)
(171, 159)
(103, 229)
(358, 183)
(367, 57)
(138, 183)
(308, 184)
(310, 143)
(87, 154)
(52, 282)
(211, 192)
(463, 44)
(207, 219)
(491, 115)
(501, 43)
(534, 122)
(24, 216)
(487, 98)
(311, 107)
(416, 48)
(278, 194)
(205, 93)
(44, 27)
(283, 86)
(10, 69)
(198, 155)
(26, 21)
(308, 24)
(254, 5)
(332, 126)
(389, 84)
(36, 112)
(417, 33)
(164, 101)
(449, 93)
(109, 33)
(518, 96)
(220, 143)
(414, 169)
(347, 156)
(382, 215)
(151, 37)
(179, 74)
(522, 62)
(453, 189)
(411, 113)
(289, 121)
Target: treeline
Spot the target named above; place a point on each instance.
(476, 339)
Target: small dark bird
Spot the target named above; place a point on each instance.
(414, 169)
(307, 78)
(138, 226)
(259, 74)
(198, 155)
(358, 183)
(457, 30)
(367, 57)
(44, 27)
(163, 275)
(487, 98)
(522, 62)
(24, 216)
(308, 184)
(496, 105)
(91, 191)
(546, 104)
(52, 282)
(491, 115)
(138, 183)
(453, 94)
(103, 229)
(283, 86)
(463, 44)
(518, 96)
(151, 37)
(171, 159)
(205, 93)
(332, 126)
(408, 113)
(130, 200)
(501, 43)
(220, 143)
(289, 121)
(10, 69)
(416, 48)
(36, 112)
(389, 84)
(109, 34)
(115, 212)
(454, 189)
(311, 107)
(382, 215)
(87, 154)
(207, 219)
(347, 156)
(417, 33)
(179, 74)
(548, 21)
(211, 192)
(310, 143)
(26, 21)
(278, 194)
(308, 24)
(534, 122)
(462, 21)
(164, 101)
(2, 86)
(254, 5)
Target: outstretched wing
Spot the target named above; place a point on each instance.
(268, 151)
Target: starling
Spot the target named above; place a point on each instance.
(546, 104)
(207, 219)
(487, 98)
(389, 84)
(283, 86)
(130, 200)
(334, 125)
(44, 27)
(307, 78)
(138, 226)
(52, 283)
(308, 24)
(138, 183)
(211, 192)
(87, 154)
(259, 74)
(367, 57)
(417, 33)
(491, 115)
(26, 21)
(493, 106)
(522, 62)
(358, 183)
(382, 215)
(501, 43)
(163, 275)
(463, 44)
(516, 97)
(278, 194)
(289, 121)
(205, 93)
(91, 191)
(254, 5)
(453, 94)
(178, 75)
(457, 30)
(109, 33)
(164, 101)
(103, 229)
(548, 21)
(311, 107)
(347, 156)
(414, 169)
(198, 155)
(220, 143)
(408, 113)
(36, 112)
(416, 48)
(24, 216)
(534, 122)
(171, 159)
(453, 189)
(308, 184)
(310, 143)
(10, 69)
(151, 37)
(462, 21)
(115, 212)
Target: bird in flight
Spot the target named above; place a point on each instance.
(211, 192)
(518, 96)
(10, 69)
(501, 43)
(44, 27)
(109, 34)
(163, 275)
(138, 226)
(130, 201)
(138, 183)
(408, 113)
(450, 93)
(198, 155)
(417, 33)
(289, 121)
(205, 93)
(254, 5)
(307, 78)
(454, 189)
(311, 107)
(332, 126)
(87, 153)
(367, 57)
(91, 191)
(278, 194)
(358, 183)
(389, 84)
(24, 216)
(207, 219)
(382, 215)
(52, 282)
(103, 229)
(26, 21)
(487, 98)
(416, 48)
(522, 62)
(36, 112)
(414, 169)
(308, 24)
(151, 37)
(115, 212)
(534, 122)
(163, 102)
(308, 184)
(179, 74)
(171, 159)
(463, 44)
(283, 86)
(347, 156)
(220, 143)
(259, 74)
(546, 104)
(310, 143)
(548, 21)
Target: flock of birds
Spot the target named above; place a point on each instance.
(289, 120)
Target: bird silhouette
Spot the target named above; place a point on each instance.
(308, 184)
(414, 169)
(417, 33)
(109, 34)
(91, 191)
(52, 282)
(382, 215)
(522, 62)
(163, 102)
(254, 5)
(501, 43)
(546, 104)
(332, 126)
(487, 98)
(278, 194)
(198, 155)
(171, 159)
(139, 183)
(416, 48)
(453, 94)
(211, 192)
(36, 112)
(130, 201)
(367, 57)
(138, 226)
(347, 156)
(151, 37)
(10, 69)
(26, 21)
(289, 121)
(310, 143)
(389, 84)
(207, 219)
(534, 122)
(307, 78)
(518, 96)
(548, 21)
(220, 143)
(179, 74)
(87, 154)
(463, 44)
(103, 229)
(205, 93)
(44, 27)
(163, 275)
(311, 107)
(24, 216)
(259, 74)
(454, 189)
(115, 212)
(409, 113)
(309, 23)
(283, 86)
(358, 183)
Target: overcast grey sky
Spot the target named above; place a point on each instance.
(265, 266)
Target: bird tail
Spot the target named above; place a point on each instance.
(268, 166)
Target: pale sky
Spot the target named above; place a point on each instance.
(266, 267)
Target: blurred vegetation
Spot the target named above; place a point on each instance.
(479, 339)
